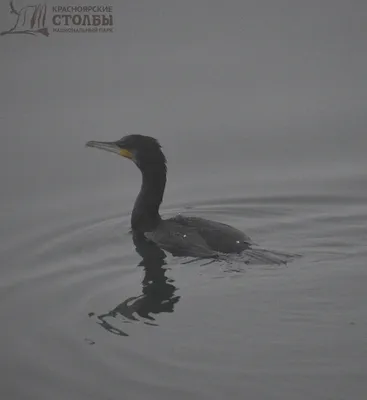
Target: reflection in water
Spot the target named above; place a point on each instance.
(158, 291)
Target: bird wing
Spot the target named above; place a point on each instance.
(180, 240)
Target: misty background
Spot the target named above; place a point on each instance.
(273, 82)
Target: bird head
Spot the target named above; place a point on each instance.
(144, 151)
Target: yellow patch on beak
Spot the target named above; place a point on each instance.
(126, 153)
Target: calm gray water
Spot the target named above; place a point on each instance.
(261, 111)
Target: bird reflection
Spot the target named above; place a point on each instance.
(158, 291)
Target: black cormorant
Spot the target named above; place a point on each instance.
(180, 235)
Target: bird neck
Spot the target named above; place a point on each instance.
(145, 216)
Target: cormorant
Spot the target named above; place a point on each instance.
(180, 235)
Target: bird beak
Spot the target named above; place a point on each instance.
(110, 146)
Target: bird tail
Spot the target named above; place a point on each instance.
(250, 256)
(263, 256)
